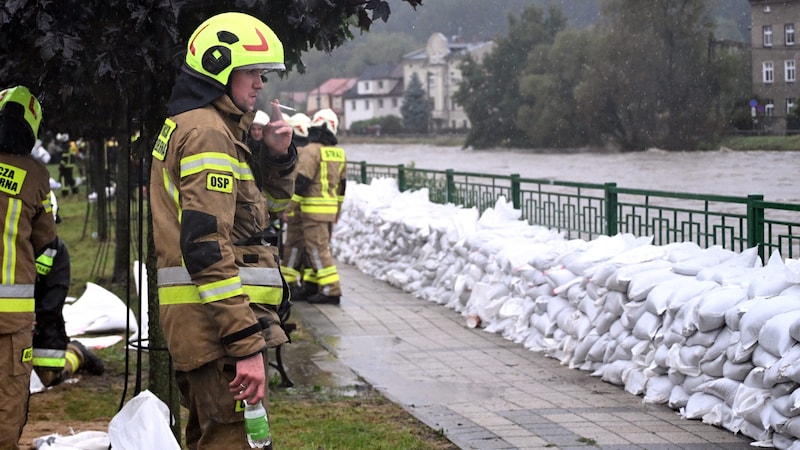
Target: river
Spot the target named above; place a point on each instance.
(723, 172)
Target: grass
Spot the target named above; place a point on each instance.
(313, 417)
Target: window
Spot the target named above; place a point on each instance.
(380, 84)
(380, 103)
(768, 72)
(366, 84)
(769, 108)
(790, 70)
(788, 32)
(394, 103)
(767, 35)
(353, 105)
(789, 105)
(366, 104)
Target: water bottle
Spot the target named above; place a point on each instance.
(257, 425)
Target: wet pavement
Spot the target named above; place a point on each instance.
(481, 390)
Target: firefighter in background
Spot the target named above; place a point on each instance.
(219, 281)
(28, 229)
(55, 358)
(318, 195)
(294, 266)
(66, 167)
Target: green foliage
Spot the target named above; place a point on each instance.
(84, 59)
(384, 125)
(416, 108)
(489, 92)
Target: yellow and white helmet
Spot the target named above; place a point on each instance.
(231, 41)
(299, 123)
(326, 117)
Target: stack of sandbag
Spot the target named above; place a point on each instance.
(710, 332)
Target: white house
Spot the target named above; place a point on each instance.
(377, 93)
(437, 66)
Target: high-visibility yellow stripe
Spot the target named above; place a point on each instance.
(188, 294)
(52, 363)
(219, 290)
(220, 162)
(10, 231)
(73, 360)
(18, 305)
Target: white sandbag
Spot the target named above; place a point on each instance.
(620, 279)
(763, 358)
(646, 326)
(642, 283)
(788, 405)
(736, 371)
(773, 335)
(144, 422)
(634, 379)
(612, 373)
(658, 389)
(770, 280)
(84, 440)
(720, 345)
(721, 415)
(678, 397)
(710, 311)
(753, 320)
(713, 367)
(98, 310)
(709, 257)
(722, 388)
(698, 405)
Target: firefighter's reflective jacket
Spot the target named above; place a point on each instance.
(320, 184)
(207, 207)
(28, 227)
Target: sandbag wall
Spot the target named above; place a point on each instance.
(710, 332)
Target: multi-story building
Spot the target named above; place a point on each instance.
(775, 54)
(438, 68)
(329, 94)
(377, 93)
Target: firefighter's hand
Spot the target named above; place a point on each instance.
(277, 133)
(250, 379)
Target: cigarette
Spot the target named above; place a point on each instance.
(286, 108)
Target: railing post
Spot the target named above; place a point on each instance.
(401, 177)
(755, 223)
(364, 172)
(612, 227)
(516, 196)
(451, 187)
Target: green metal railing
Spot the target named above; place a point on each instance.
(588, 210)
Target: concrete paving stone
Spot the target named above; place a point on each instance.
(644, 438)
(527, 442)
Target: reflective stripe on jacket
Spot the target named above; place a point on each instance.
(321, 173)
(26, 229)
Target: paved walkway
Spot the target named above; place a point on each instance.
(483, 391)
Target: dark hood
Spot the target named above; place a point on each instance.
(192, 92)
(322, 135)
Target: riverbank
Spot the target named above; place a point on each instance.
(750, 143)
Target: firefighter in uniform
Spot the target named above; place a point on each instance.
(219, 282)
(318, 196)
(55, 358)
(28, 228)
(293, 260)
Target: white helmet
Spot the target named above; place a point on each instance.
(261, 118)
(328, 117)
(300, 123)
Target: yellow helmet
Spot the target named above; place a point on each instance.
(18, 102)
(231, 41)
(326, 117)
